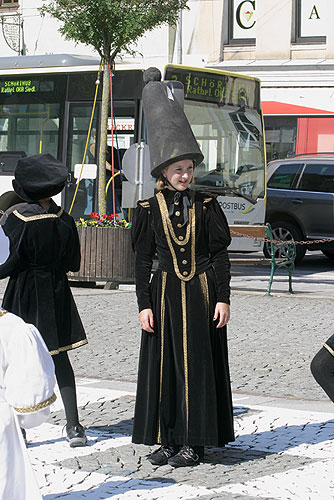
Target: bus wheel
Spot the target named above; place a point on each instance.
(285, 231)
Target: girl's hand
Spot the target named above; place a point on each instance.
(146, 320)
(222, 313)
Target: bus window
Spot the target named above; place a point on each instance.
(30, 128)
(231, 141)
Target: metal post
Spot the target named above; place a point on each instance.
(179, 38)
(141, 170)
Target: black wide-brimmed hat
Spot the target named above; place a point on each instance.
(39, 176)
(169, 134)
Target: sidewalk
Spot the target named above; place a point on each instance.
(284, 451)
(283, 420)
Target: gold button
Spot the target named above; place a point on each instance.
(179, 225)
(184, 262)
(185, 273)
(181, 238)
(176, 203)
(177, 213)
(182, 249)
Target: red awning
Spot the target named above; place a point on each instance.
(282, 108)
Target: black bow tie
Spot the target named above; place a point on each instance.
(183, 199)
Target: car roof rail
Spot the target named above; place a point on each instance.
(315, 153)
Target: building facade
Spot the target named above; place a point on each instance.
(288, 44)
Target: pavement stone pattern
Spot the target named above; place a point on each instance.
(283, 455)
(283, 420)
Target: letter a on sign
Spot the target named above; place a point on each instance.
(314, 12)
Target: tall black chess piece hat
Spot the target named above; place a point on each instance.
(170, 137)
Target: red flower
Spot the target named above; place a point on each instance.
(94, 215)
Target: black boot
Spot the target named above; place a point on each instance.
(162, 454)
(186, 457)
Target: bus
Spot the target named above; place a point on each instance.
(46, 104)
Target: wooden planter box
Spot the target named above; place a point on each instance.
(106, 255)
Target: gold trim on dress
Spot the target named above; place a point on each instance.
(69, 347)
(144, 203)
(38, 406)
(162, 320)
(191, 230)
(37, 217)
(2, 312)
(329, 349)
(166, 220)
(185, 349)
(205, 289)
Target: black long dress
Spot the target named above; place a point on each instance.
(43, 247)
(183, 393)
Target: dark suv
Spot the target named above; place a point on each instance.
(300, 201)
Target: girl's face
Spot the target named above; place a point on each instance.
(179, 174)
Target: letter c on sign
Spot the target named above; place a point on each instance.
(238, 17)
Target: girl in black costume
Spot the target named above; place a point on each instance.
(183, 395)
(44, 246)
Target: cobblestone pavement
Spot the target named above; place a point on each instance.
(284, 423)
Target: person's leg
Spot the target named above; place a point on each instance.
(322, 368)
(66, 383)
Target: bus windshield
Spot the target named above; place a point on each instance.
(225, 115)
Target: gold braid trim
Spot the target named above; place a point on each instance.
(205, 290)
(144, 203)
(185, 349)
(191, 228)
(162, 320)
(37, 217)
(39, 406)
(166, 220)
(69, 347)
(329, 349)
(2, 312)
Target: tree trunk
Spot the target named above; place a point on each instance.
(102, 204)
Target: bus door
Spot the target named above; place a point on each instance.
(76, 125)
(77, 119)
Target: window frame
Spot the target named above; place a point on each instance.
(296, 179)
(298, 39)
(298, 184)
(236, 41)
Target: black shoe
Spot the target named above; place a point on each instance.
(186, 457)
(162, 454)
(76, 436)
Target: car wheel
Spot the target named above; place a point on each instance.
(285, 231)
(328, 254)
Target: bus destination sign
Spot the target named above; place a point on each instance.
(222, 89)
(25, 86)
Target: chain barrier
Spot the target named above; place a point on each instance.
(265, 239)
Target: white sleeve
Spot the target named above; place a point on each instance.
(29, 376)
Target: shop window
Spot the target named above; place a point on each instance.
(242, 22)
(9, 3)
(311, 21)
(280, 133)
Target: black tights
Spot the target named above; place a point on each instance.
(322, 368)
(66, 384)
